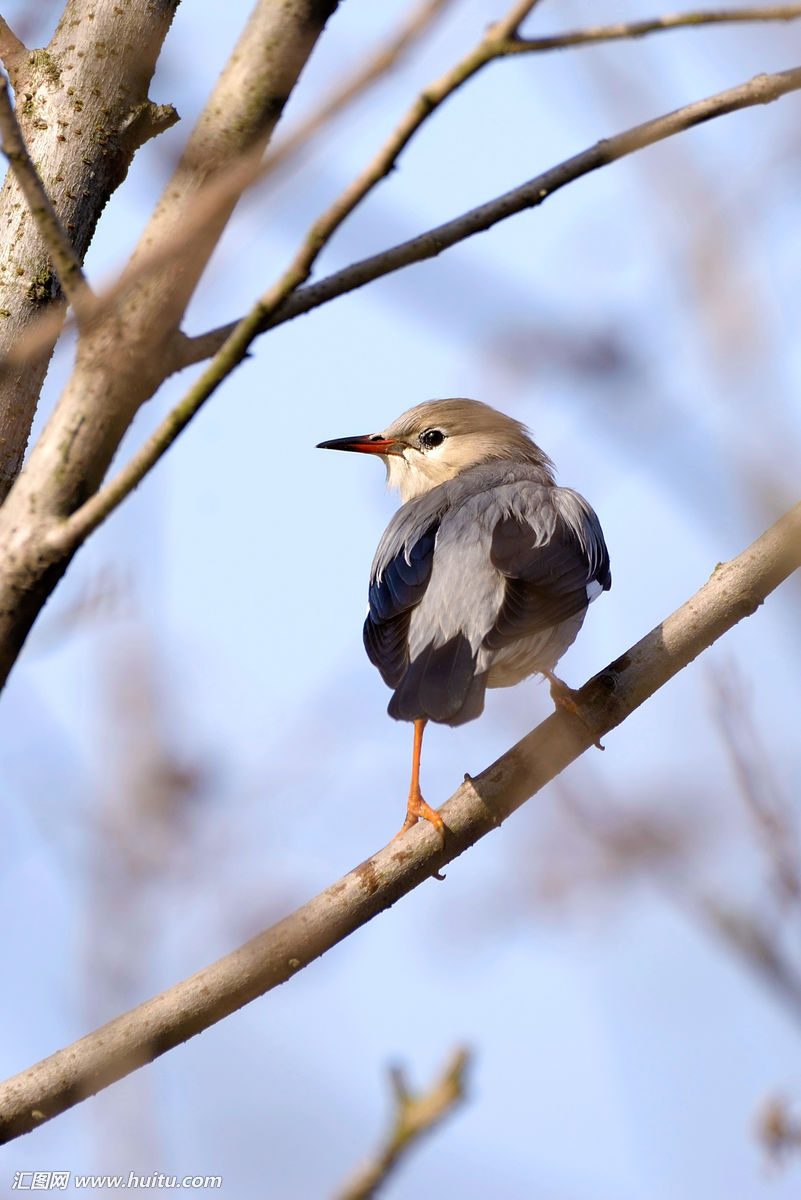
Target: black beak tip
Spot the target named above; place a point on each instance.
(346, 443)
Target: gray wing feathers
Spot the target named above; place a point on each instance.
(479, 571)
(550, 549)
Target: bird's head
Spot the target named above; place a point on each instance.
(436, 441)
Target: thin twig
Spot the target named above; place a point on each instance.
(637, 29)
(234, 340)
(735, 590)
(758, 785)
(249, 169)
(415, 1114)
(218, 192)
(65, 261)
(743, 933)
(628, 841)
(320, 233)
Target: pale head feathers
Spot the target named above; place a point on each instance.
(437, 440)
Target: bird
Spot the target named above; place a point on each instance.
(483, 575)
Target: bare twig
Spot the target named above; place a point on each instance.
(61, 250)
(735, 590)
(414, 1116)
(758, 785)
(746, 935)
(637, 29)
(216, 194)
(383, 162)
(232, 341)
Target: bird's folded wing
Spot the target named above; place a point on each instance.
(553, 555)
(394, 592)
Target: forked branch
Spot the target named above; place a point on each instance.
(62, 253)
(231, 343)
(415, 1115)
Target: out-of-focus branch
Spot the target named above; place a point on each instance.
(379, 64)
(735, 590)
(637, 29)
(106, 388)
(59, 247)
(218, 193)
(230, 344)
(83, 521)
(779, 1129)
(414, 1116)
(249, 168)
(762, 89)
(758, 786)
(12, 50)
(753, 944)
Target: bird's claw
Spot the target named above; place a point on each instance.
(564, 697)
(417, 808)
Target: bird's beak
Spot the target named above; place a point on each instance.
(365, 444)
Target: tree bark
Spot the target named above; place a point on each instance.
(83, 108)
(124, 356)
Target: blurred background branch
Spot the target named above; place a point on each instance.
(415, 1115)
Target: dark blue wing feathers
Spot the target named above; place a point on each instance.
(391, 597)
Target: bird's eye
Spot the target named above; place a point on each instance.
(431, 438)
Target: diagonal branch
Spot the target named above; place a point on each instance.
(502, 40)
(735, 590)
(415, 1114)
(230, 343)
(12, 50)
(762, 89)
(65, 260)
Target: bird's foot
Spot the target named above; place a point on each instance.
(564, 697)
(417, 808)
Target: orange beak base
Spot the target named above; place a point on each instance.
(365, 444)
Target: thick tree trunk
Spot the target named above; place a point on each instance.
(123, 357)
(83, 108)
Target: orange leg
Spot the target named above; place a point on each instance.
(564, 697)
(417, 806)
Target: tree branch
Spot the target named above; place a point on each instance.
(12, 50)
(735, 590)
(251, 167)
(81, 107)
(638, 29)
(414, 1116)
(230, 343)
(59, 247)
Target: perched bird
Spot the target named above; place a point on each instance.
(484, 574)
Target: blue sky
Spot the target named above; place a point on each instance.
(643, 324)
